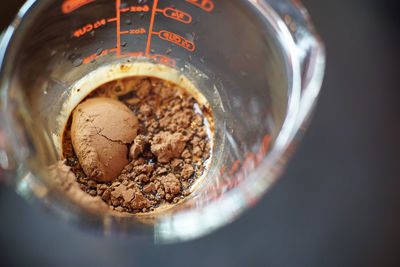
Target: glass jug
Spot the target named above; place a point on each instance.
(259, 64)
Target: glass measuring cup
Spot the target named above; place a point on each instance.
(258, 63)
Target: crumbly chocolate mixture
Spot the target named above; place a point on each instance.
(169, 153)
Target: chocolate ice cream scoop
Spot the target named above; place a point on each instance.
(100, 131)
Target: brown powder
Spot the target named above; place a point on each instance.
(166, 145)
(187, 171)
(66, 181)
(169, 152)
(137, 147)
(100, 130)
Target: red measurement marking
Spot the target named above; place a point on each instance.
(263, 149)
(176, 39)
(89, 27)
(106, 52)
(97, 55)
(153, 12)
(144, 8)
(222, 171)
(247, 161)
(207, 5)
(229, 181)
(137, 31)
(112, 19)
(118, 17)
(70, 5)
(136, 54)
(164, 60)
(177, 15)
(234, 167)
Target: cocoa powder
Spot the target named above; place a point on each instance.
(169, 153)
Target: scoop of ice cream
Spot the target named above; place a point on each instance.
(100, 131)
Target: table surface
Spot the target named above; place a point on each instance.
(338, 202)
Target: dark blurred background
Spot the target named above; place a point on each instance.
(338, 203)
